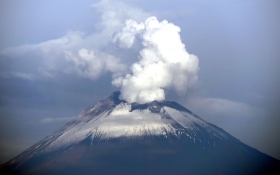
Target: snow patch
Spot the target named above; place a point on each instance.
(118, 123)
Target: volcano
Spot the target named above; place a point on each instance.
(116, 137)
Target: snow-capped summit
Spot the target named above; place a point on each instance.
(113, 118)
(117, 137)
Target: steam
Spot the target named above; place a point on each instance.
(90, 64)
(145, 58)
(163, 61)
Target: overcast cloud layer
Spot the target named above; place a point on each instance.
(54, 64)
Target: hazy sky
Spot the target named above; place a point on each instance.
(53, 58)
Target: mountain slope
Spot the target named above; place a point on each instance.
(116, 137)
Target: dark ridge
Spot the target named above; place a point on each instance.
(155, 106)
(175, 105)
(107, 103)
(103, 105)
(115, 97)
(135, 106)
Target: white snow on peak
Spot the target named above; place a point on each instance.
(190, 122)
(122, 122)
(119, 122)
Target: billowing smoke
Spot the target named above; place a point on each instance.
(163, 61)
(90, 64)
(152, 50)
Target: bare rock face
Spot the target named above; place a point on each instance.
(116, 137)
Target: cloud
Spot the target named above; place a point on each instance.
(48, 58)
(21, 75)
(234, 117)
(51, 120)
(51, 47)
(90, 64)
(218, 107)
(64, 54)
(164, 61)
(115, 13)
(42, 60)
(253, 126)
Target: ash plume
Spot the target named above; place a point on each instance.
(163, 61)
(145, 58)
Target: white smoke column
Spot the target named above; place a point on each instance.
(163, 61)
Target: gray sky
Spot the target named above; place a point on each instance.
(236, 42)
